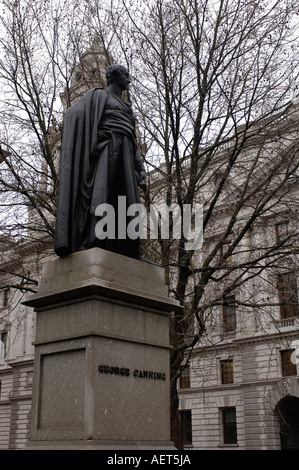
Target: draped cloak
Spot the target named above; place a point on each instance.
(91, 126)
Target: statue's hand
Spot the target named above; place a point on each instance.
(142, 179)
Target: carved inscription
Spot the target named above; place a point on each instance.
(126, 372)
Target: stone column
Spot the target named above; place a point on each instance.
(101, 367)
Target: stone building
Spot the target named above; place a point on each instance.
(17, 324)
(244, 394)
(241, 389)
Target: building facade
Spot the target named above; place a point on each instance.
(244, 394)
(17, 331)
(241, 387)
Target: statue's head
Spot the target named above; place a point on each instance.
(118, 73)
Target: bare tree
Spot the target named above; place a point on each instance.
(40, 44)
(211, 90)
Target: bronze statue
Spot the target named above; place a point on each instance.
(100, 161)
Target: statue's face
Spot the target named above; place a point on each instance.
(122, 78)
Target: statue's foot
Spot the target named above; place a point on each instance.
(146, 260)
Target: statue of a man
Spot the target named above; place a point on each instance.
(100, 161)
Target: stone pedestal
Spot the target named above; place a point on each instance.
(101, 378)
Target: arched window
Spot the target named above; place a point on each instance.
(288, 412)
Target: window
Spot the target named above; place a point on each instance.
(6, 297)
(190, 330)
(3, 345)
(186, 423)
(288, 295)
(219, 176)
(282, 231)
(287, 366)
(229, 425)
(227, 371)
(185, 378)
(224, 249)
(229, 314)
(3, 154)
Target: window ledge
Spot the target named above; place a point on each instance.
(227, 335)
(228, 445)
(284, 322)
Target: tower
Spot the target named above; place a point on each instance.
(89, 73)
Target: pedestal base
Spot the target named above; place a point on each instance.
(101, 445)
(101, 378)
